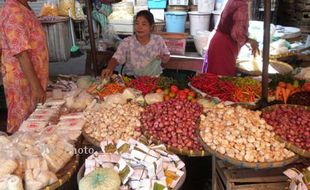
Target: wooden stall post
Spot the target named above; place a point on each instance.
(266, 42)
(93, 62)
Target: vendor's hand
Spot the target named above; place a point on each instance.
(254, 47)
(164, 57)
(38, 94)
(106, 73)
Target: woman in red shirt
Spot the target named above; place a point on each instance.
(230, 34)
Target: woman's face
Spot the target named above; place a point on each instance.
(142, 27)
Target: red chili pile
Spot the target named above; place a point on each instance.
(173, 122)
(213, 86)
(291, 124)
(145, 84)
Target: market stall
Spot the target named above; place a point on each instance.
(142, 128)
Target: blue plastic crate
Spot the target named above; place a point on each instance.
(157, 4)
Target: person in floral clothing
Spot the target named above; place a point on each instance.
(24, 61)
(229, 35)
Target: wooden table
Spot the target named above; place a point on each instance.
(191, 61)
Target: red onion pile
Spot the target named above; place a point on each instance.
(173, 122)
(291, 124)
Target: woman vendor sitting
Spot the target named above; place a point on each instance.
(143, 52)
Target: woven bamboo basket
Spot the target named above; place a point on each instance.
(279, 66)
(68, 170)
(289, 145)
(90, 139)
(65, 173)
(184, 152)
(259, 165)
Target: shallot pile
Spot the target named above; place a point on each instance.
(291, 124)
(113, 122)
(173, 122)
(241, 134)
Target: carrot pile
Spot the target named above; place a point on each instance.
(235, 89)
(285, 90)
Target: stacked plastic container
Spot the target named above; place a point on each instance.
(219, 4)
(176, 20)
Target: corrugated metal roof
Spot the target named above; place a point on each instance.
(36, 6)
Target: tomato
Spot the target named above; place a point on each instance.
(174, 89)
(166, 97)
(190, 97)
(191, 93)
(306, 86)
(182, 94)
(159, 90)
(167, 91)
(186, 90)
(172, 94)
(194, 100)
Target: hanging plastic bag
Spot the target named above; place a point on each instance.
(152, 69)
(79, 11)
(64, 6)
(11, 160)
(49, 8)
(109, 37)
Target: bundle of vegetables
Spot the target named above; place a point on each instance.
(145, 84)
(214, 86)
(241, 134)
(173, 122)
(292, 126)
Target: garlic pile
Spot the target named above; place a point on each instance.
(113, 121)
(241, 134)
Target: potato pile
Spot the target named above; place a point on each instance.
(113, 122)
(241, 134)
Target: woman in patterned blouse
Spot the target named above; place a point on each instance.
(230, 34)
(141, 51)
(24, 61)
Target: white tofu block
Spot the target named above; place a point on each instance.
(142, 147)
(139, 173)
(150, 159)
(138, 154)
(134, 184)
(146, 184)
(154, 154)
(180, 164)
